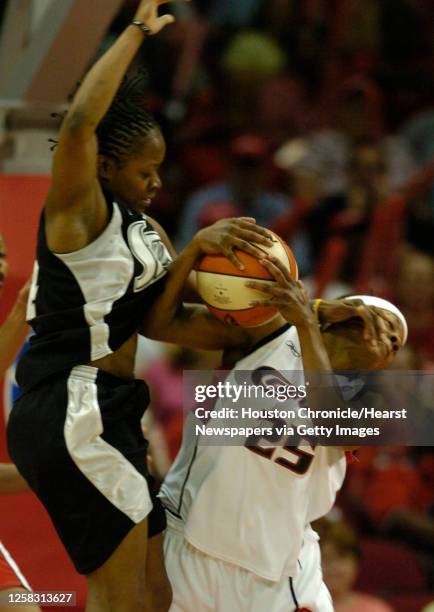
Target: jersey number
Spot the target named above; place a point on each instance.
(297, 459)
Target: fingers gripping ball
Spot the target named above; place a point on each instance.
(222, 286)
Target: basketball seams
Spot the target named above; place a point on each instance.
(222, 286)
(247, 278)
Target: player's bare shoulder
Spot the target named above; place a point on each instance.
(74, 226)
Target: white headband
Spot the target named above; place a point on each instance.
(370, 300)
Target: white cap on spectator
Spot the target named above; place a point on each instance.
(370, 300)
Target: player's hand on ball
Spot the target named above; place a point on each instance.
(148, 13)
(287, 295)
(228, 234)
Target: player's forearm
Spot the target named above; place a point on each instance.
(314, 354)
(322, 391)
(13, 333)
(169, 304)
(10, 480)
(192, 325)
(100, 85)
(195, 327)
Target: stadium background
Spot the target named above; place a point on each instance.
(316, 116)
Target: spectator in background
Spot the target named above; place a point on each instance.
(343, 220)
(242, 193)
(350, 211)
(340, 555)
(249, 61)
(324, 169)
(414, 291)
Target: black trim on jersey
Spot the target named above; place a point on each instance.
(178, 516)
(291, 586)
(63, 337)
(270, 337)
(187, 476)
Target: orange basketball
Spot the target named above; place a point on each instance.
(222, 286)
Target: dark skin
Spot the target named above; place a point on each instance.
(136, 180)
(76, 214)
(343, 347)
(358, 337)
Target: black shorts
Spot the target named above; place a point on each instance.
(77, 440)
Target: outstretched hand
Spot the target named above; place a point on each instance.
(148, 13)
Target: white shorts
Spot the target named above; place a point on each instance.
(202, 583)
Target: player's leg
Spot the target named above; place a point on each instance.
(93, 479)
(189, 574)
(13, 586)
(308, 590)
(119, 585)
(159, 591)
(207, 584)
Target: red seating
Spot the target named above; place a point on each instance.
(410, 603)
(388, 568)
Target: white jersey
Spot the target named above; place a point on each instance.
(250, 505)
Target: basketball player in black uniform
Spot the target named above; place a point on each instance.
(75, 433)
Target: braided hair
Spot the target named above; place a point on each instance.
(127, 122)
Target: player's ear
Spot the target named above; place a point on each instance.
(106, 166)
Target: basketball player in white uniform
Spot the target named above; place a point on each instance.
(238, 537)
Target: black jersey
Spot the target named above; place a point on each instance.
(84, 305)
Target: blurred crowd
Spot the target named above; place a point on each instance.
(317, 118)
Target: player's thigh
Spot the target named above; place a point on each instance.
(206, 584)
(308, 588)
(122, 578)
(157, 582)
(16, 607)
(188, 574)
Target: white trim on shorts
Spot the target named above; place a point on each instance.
(106, 468)
(14, 567)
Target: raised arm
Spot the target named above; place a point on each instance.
(75, 210)
(291, 298)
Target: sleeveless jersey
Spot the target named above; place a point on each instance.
(249, 505)
(85, 304)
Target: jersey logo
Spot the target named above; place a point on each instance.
(148, 248)
(293, 348)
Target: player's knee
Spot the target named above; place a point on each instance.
(101, 599)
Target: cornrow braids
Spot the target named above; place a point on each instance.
(127, 122)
